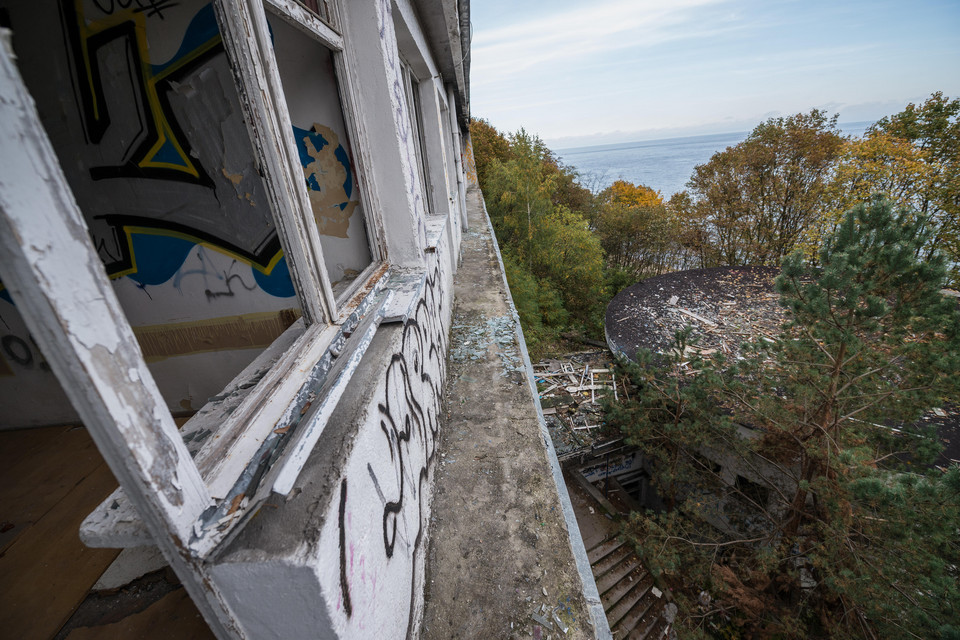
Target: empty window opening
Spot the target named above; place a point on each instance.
(319, 131)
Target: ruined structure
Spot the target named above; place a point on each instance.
(242, 220)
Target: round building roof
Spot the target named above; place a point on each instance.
(724, 305)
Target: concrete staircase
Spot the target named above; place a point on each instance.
(633, 609)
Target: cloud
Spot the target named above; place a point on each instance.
(616, 24)
(569, 68)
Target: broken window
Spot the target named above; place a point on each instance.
(319, 132)
(411, 88)
(320, 8)
(143, 112)
(228, 215)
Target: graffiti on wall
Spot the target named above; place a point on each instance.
(409, 414)
(132, 61)
(330, 186)
(153, 252)
(157, 103)
(96, 31)
(23, 353)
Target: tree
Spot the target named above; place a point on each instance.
(933, 129)
(877, 163)
(539, 306)
(758, 197)
(519, 192)
(488, 145)
(554, 262)
(822, 522)
(637, 231)
(565, 253)
(913, 158)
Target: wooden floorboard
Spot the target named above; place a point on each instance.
(49, 489)
(41, 475)
(22, 444)
(173, 616)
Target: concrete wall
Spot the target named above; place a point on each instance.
(345, 557)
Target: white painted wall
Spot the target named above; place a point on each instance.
(353, 537)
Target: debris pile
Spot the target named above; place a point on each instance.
(725, 306)
(571, 389)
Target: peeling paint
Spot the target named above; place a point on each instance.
(327, 180)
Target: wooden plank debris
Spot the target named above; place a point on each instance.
(706, 321)
(589, 387)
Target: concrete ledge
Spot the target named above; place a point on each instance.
(505, 554)
(343, 555)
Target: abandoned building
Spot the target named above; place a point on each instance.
(231, 235)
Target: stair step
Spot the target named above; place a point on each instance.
(606, 547)
(629, 566)
(610, 562)
(641, 618)
(617, 606)
(654, 631)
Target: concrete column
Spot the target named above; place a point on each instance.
(388, 157)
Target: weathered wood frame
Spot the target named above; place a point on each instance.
(58, 283)
(310, 25)
(164, 491)
(60, 287)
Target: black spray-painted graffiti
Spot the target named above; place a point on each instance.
(344, 587)
(146, 77)
(410, 413)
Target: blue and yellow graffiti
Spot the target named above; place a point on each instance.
(164, 151)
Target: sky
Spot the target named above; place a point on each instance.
(579, 73)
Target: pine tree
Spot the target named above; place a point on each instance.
(797, 482)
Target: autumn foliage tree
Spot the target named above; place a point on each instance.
(554, 262)
(756, 199)
(488, 145)
(912, 157)
(877, 163)
(842, 531)
(638, 232)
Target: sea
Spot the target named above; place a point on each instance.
(663, 165)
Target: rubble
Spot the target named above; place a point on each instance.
(724, 306)
(571, 389)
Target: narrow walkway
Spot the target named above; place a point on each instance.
(500, 561)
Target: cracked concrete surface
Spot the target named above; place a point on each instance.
(499, 551)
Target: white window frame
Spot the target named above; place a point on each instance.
(187, 502)
(411, 85)
(306, 369)
(246, 39)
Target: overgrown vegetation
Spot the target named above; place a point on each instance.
(834, 525)
(785, 187)
(554, 262)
